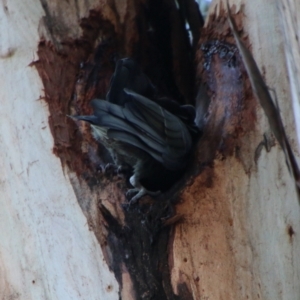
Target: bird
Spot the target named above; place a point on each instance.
(150, 135)
(128, 74)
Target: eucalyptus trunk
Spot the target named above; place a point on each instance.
(227, 230)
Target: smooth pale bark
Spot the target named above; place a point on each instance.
(290, 21)
(46, 248)
(240, 239)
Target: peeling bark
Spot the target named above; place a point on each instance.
(74, 71)
(227, 230)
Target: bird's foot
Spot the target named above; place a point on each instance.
(108, 169)
(111, 169)
(123, 169)
(135, 194)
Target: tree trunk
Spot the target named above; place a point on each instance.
(228, 230)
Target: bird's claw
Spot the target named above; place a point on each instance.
(133, 195)
(108, 169)
(123, 169)
(112, 169)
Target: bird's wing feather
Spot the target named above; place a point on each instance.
(146, 125)
(143, 125)
(135, 141)
(116, 118)
(101, 107)
(169, 127)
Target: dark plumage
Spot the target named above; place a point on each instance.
(153, 138)
(129, 75)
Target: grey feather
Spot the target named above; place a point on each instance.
(153, 138)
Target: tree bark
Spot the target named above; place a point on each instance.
(228, 230)
(47, 248)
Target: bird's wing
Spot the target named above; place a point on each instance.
(133, 140)
(146, 125)
(170, 131)
(165, 124)
(111, 116)
(120, 123)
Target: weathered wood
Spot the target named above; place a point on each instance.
(290, 25)
(239, 240)
(47, 250)
(64, 232)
